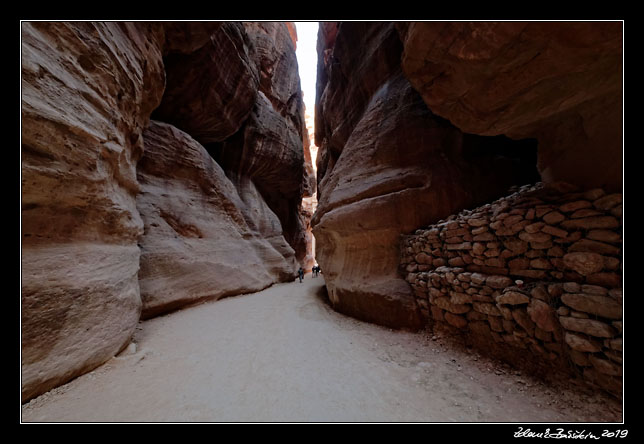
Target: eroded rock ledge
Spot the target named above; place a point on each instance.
(534, 278)
(558, 82)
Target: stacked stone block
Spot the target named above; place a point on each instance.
(536, 273)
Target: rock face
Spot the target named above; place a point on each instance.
(560, 82)
(203, 239)
(211, 88)
(306, 256)
(269, 146)
(386, 166)
(306, 214)
(87, 92)
(203, 229)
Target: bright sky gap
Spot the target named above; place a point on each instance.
(307, 59)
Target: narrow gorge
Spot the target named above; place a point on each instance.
(461, 179)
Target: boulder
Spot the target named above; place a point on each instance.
(581, 344)
(594, 304)
(498, 282)
(543, 315)
(584, 263)
(512, 298)
(589, 326)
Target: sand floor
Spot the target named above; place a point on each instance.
(282, 355)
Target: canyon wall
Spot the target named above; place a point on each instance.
(87, 92)
(269, 147)
(205, 236)
(534, 278)
(386, 166)
(418, 121)
(121, 216)
(308, 206)
(223, 172)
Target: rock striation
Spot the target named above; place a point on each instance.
(87, 92)
(269, 147)
(123, 217)
(211, 87)
(534, 277)
(386, 166)
(205, 237)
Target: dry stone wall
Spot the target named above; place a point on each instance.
(534, 277)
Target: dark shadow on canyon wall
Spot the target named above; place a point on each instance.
(495, 154)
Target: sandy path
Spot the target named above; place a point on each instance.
(283, 355)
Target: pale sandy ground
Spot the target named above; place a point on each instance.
(282, 355)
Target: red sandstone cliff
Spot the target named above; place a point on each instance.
(102, 237)
(246, 202)
(270, 146)
(210, 88)
(205, 236)
(87, 92)
(386, 166)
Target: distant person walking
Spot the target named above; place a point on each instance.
(300, 274)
